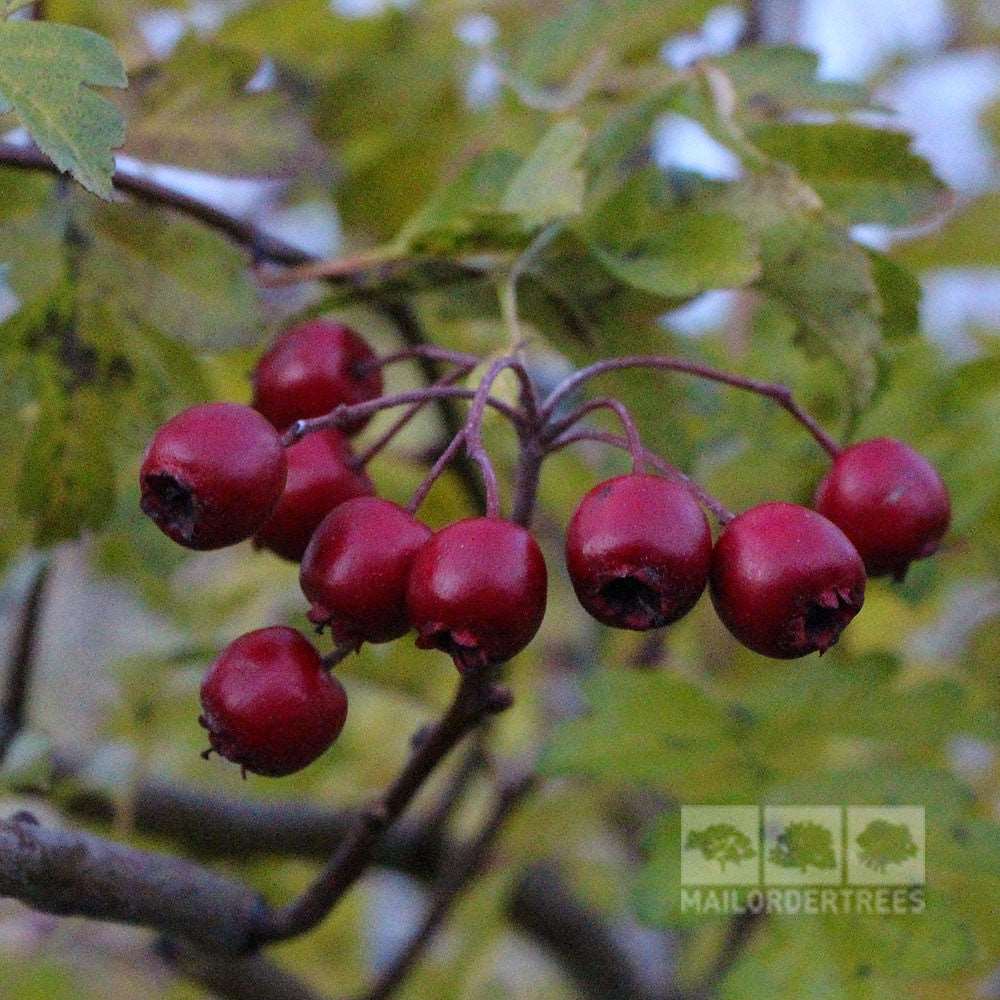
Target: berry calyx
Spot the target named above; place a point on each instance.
(477, 590)
(269, 704)
(356, 568)
(785, 580)
(313, 368)
(889, 500)
(321, 475)
(212, 475)
(638, 550)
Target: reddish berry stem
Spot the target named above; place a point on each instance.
(781, 394)
(377, 446)
(632, 437)
(441, 463)
(431, 351)
(342, 416)
(721, 513)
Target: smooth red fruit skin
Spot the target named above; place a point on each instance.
(313, 368)
(889, 501)
(321, 475)
(356, 568)
(477, 590)
(212, 475)
(785, 580)
(638, 550)
(269, 704)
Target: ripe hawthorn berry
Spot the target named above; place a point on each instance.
(638, 550)
(477, 590)
(212, 475)
(785, 580)
(269, 704)
(889, 501)
(356, 568)
(321, 475)
(313, 368)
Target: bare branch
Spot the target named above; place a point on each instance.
(15, 699)
(587, 949)
(541, 906)
(76, 874)
(242, 977)
(477, 698)
(457, 876)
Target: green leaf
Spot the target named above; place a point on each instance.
(44, 68)
(774, 81)
(198, 113)
(900, 293)
(825, 282)
(659, 238)
(968, 239)
(559, 47)
(654, 729)
(173, 274)
(863, 175)
(67, 478)
(693, 251)
(549, 185)
(465, 213)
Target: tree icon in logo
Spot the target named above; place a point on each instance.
(883, 844)
(804, 845)
(721, 842)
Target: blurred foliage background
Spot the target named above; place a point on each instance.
(743, 206)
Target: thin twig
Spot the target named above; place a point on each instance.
(477, 698)
(722, 513)
(22, 662)
(781, 394)
(741, 929)
(345, 415)
(449, 455)
(457, 877)
(426, 351)
(474, 447)
(411, 332)
(635, 447)
(436, 821)
(378, 445)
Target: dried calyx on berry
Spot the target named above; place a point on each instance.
(212, 475)
(356, 568)
(312, 369)
(889, 500)
(638, 550)
(477, 590)
(269, 704)
(785, 580)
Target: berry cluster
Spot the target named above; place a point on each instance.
(784, 579)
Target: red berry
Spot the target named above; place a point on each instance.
(477, 591)
(321, 475)
(888, 500)
(785, 580)
(212, 475)
(313, 368)
(356, 568)
(269, 703)
(638, 550)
